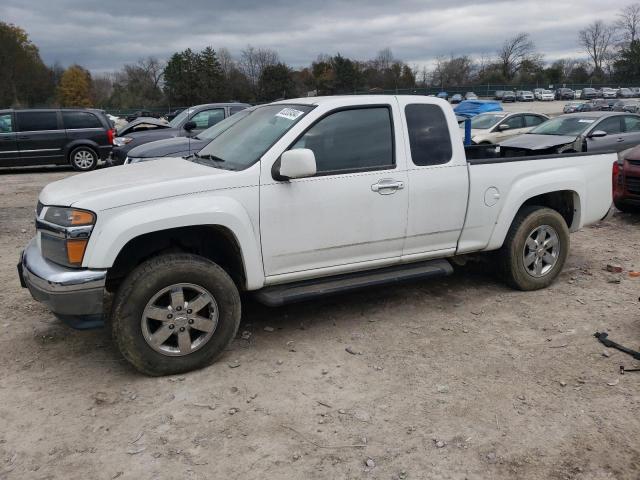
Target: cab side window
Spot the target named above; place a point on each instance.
(610, 125)
(37, 121)
(76, 120)
(6, 123)
(208, 118)
(517, 121)
(533, 120)
(351, 140)
(632, 124)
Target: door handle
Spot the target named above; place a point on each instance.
(387, 186)
(620, 140)
(23, 137)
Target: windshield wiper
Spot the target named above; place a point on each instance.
(208, 156)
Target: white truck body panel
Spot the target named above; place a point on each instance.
(323, 225)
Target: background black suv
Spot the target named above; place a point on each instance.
(79, 137)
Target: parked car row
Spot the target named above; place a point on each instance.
(83, 138)
(603, 105)
(457, 97)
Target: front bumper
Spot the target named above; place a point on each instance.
(76, 296)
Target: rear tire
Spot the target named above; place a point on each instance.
(83, 159)
(157, 332)
(535, 249)
(624, 208)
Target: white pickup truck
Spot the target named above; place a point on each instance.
(299, 198)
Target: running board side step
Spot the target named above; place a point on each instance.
(305, 290)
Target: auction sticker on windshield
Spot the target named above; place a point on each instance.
(289, 113)
(585, 121)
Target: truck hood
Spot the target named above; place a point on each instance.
(140, 182)
(530, 141)
(168, 147)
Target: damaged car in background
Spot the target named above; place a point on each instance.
(584, 132)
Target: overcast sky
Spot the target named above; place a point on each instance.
(102, 35)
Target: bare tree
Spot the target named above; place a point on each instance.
(152, 67)
(629, 22)
(514, 52)
(596, 40)
(384, 59)
(227, 63)
(254, 60)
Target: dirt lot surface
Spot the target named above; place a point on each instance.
(455, 379)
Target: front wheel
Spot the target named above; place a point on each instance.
(175, 313)
(83, 159)
(535, 249)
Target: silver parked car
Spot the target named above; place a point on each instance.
(578, 132)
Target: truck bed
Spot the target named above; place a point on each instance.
(499, 185)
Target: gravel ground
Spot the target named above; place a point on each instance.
(455, 379)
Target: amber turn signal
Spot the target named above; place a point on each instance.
(82, 217)
(75, 251)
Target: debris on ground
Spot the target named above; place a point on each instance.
(614, 268)
(352, 351)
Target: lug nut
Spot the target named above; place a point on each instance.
(189, 311)
(172, 326)
(169, 316)
(191, 321)
(182, 329)
(178, 308)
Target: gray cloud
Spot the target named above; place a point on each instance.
(103, 35)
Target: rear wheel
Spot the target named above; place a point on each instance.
(175, 313)
(535, 249)
(625, 208)
(83, 159)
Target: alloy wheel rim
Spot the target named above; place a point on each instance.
(83, 159)
(541, 251)
(179, 319)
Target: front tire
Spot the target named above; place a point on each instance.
(535, 249)
(175, 313)
(83, 159)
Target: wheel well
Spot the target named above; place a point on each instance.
(72, 148)
(214, 242)
(565, 202)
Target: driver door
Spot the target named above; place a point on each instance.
(343, 218)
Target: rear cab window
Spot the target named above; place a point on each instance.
(428, 134)
(37, 121)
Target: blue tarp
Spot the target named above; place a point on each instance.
(471, 108)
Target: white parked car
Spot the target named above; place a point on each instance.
(495, 127)
(299, 198)
(547, 96)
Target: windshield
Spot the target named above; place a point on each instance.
(242, 144)
(569, 125)
(180, 118)
(218, 128)
(486, 120)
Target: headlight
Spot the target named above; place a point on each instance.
(121, 141)
(65, 233)
(69, 217)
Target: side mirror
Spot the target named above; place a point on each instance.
(297, 163)
(190, 125)
(598, 134)
(503, 126)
